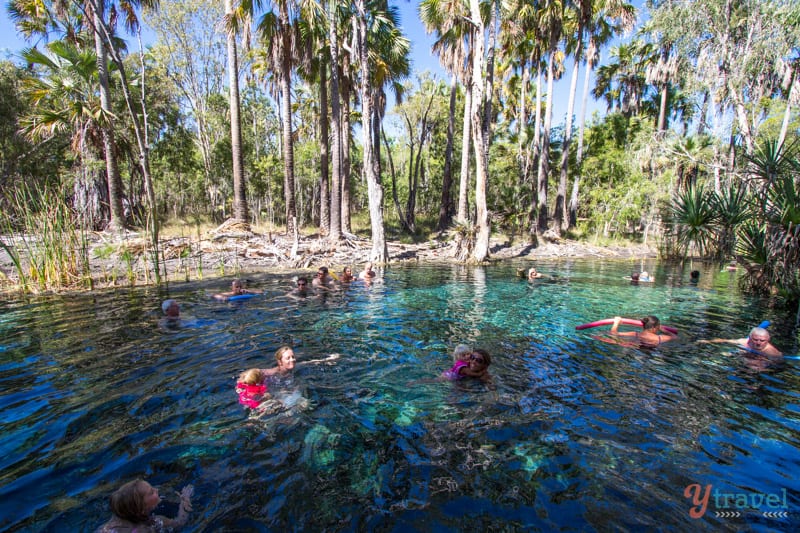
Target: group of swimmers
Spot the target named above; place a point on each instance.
(132, 505)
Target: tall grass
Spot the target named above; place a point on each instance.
(44, 239)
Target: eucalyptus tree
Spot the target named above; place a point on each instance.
(420, 117)
(449, 21)
(482, 77)
(599, 21)
(190, 50)
(734, 50)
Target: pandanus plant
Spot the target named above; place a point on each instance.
(695, 220)
(775, 239)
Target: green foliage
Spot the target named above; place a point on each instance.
(695, 219)
(770, 246)
(617, 196)
(45, 241)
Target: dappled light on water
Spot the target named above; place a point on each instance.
(575, 433)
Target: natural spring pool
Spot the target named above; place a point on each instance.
(577, 434)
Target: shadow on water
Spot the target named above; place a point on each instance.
(575, 434)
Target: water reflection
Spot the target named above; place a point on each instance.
(578, 434)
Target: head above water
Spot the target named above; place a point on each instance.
(461, 351)
(284, 356)
(481, 357)
(759, 336)
(170, 307)
(254, 376)
(650, 323)
(134, 501)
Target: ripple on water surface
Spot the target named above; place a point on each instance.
(575, 434)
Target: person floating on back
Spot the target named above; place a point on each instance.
(237, 289)
(651, 335)
(758, 341)
(533, 274)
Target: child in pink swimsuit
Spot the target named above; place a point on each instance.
(252, 388)
(469, 363)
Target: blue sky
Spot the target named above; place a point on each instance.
(422, 58)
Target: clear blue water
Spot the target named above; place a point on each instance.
(577, 435)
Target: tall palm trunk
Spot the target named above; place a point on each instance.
(347, 178)
(573, 199)
(324, 142)
(537, 149)
(335, 233)
(286, 102)
(240, 211)
(286, 111)
(115, 189)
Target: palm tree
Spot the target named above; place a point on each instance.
(64, 98)
(523, 47)
(96, 10)
(551, 16)
(41, 19)
(335, 233)
(233, 20)
(622, 81)
(313, 67)
(278, 29)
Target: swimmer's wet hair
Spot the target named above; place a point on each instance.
(166, 304)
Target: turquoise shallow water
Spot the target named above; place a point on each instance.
(576, 435)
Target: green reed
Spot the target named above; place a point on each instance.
(45, 241)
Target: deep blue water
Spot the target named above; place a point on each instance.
(576, 435)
